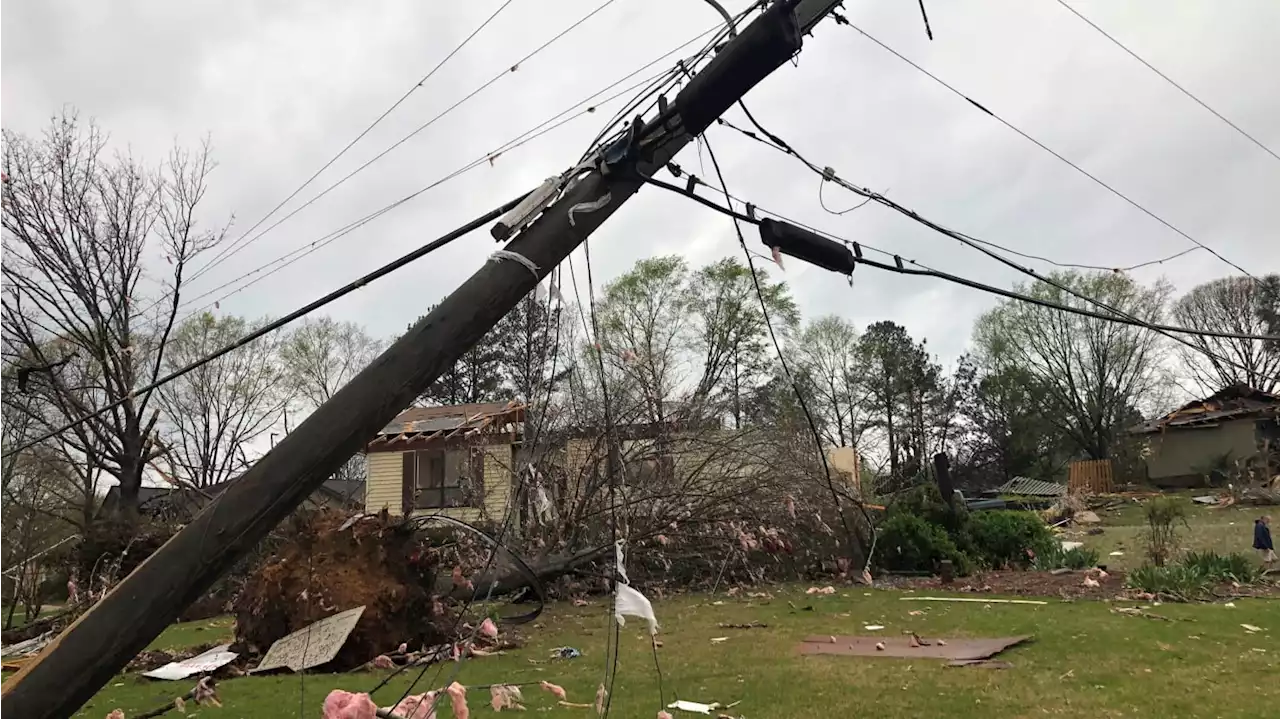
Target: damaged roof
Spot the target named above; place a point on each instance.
(1238, 401)
(450, 420)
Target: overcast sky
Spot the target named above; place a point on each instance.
(282, 86)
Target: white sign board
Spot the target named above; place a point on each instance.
(313, 645)
(199, 664)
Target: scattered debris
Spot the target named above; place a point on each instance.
(1138, 612)
(565, 653)
(208, 661)
(1116, 553)
(718, 640)
(1251, 628)
(1087, 517)
(505, 696)
(695, 707)
(751, 625)
(972, 599)
(555, 689)
(28, 647)
(980, 663)
(910, 647)
(873, 627)
(828, 590)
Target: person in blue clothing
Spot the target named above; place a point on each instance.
(1262, 539)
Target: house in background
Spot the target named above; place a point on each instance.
(182, 505)
(455, 460)
(1238, 426)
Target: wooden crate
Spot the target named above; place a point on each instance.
(1090, 476)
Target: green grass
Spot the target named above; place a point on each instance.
(1084, 661)
(191, 634)
(1124, 529)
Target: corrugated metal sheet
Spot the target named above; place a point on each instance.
(1027, 487)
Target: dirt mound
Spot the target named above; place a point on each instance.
(329, 564)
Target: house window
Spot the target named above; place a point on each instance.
(439, 479)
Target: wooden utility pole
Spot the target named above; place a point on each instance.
(90, 652)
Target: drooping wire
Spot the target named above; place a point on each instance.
(287, 319)
(850, 537)
(1169, 80)
(613, 633)
(1094, 178)
(232, 249)
(829, 174)
(778, 144)
(928, 271)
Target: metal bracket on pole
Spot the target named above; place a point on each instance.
(526, 212)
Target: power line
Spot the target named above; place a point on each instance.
(513, 68)
(1049, 150)
(287, 319)
(1169, 80)
(546, 126)
(830, 174)
(927, 271)
(232, 249)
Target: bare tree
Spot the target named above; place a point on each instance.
(1094, 375)
(212, 412)
(1231, 304)
(828, 353)
(730, 336)
(78, 225)
(321, 356)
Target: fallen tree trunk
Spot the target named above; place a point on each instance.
(496, 584)
(34, 629)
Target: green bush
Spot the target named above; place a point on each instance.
(1002, 538)
(908, 543)
(1176, 581)
(1055, 557)
(925, 502)
(1219, 568)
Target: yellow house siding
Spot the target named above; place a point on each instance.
(384, 487)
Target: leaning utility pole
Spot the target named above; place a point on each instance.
(90, 652)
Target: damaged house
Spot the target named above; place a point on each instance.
(1237, 428)
(458, 459)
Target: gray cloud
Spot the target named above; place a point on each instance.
(280, 87)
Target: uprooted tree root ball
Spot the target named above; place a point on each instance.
(328, 564)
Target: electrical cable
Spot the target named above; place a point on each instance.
(613, 633)
(420, 128)
(1169, 80)
(830, 174)
(926, 271)
(287, 319)
(552, 123)
(842, 20)
(804, 406)
(231, 250)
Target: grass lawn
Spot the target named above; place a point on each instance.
(1124, 530)
(1084, 661)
